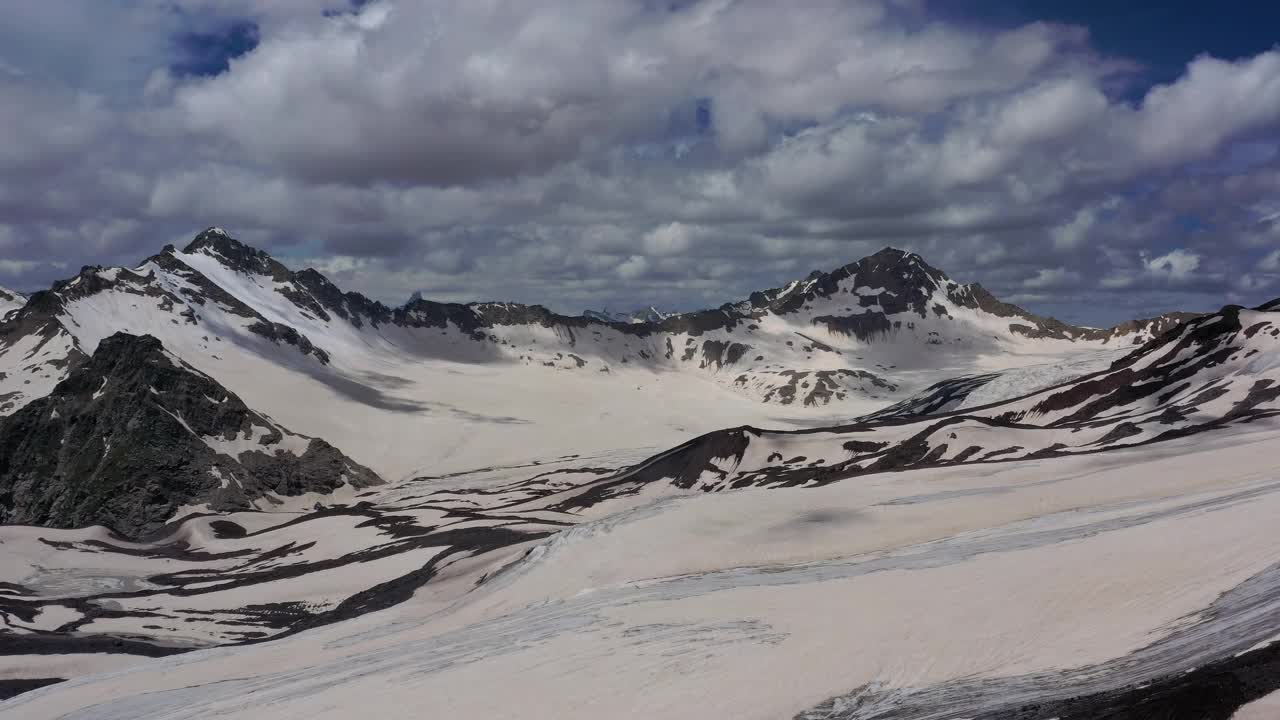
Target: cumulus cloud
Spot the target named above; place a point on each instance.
(670, 239)
(1214, 101)
(619, 152)
(1176, 265)
(1047, 278)
(633, 267)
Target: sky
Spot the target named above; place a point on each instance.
(1093, 160)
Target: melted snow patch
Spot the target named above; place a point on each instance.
(252, 441)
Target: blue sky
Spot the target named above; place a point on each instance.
(1164, 36)
(209, 51)
(1095, 160)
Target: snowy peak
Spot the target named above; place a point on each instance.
(236, 255)
(894, 283)
(134, 435)
(893, 287)
(903, 277)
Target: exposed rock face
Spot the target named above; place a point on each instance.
(134, 434)
(812, 387)
(903, 280)
(237, 255)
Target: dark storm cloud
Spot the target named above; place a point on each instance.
(625, 153)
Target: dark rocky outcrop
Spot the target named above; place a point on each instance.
(129, 437)
(237, 255)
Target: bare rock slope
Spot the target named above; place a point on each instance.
(134, 434)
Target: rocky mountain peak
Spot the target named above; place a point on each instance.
(888, 282)
(891, 267)
(235, 254)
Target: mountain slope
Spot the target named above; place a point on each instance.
(134, 434)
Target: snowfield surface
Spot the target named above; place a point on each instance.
(869, 494)
(977, 590)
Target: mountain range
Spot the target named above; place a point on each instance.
(905, 496)
(838, 335)
(230, 321)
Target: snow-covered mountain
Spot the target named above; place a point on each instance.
(224, 424)
(1206, 374)
(379, 382)
(10, 300)
(1100, 548)
(983, 513)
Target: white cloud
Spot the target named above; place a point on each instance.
(552, 151)
(1214, 101)
(1056, 109)
(1117, 281)
(1176, 265)
(15, 267)
(1076, 233)
(670, 239)
(1051, 278)
(1270, 263)
(633, 267)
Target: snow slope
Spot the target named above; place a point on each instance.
(1033, 589)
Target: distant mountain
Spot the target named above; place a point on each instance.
(647, 315)
(133, 435)
(1210, 372)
